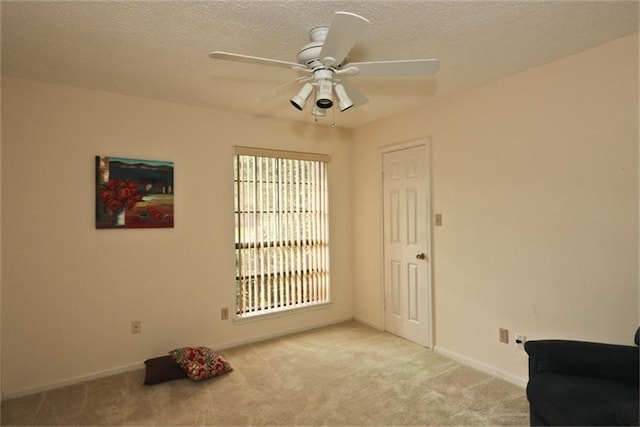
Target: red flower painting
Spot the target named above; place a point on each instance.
(133, 193)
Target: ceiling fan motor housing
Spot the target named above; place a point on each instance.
(311, 51)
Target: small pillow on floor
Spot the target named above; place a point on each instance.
(200, 363)
(162, 369)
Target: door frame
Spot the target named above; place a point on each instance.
(426, 142)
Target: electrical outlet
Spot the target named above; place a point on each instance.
(503, 335)
(136, 327)
(224, 313)
(519, 341)
(438, 220)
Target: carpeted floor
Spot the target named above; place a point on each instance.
(347, 375)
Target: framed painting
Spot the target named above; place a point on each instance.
(133, 193)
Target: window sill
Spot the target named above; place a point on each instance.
(237, 320)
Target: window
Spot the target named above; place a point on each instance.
(282, 233)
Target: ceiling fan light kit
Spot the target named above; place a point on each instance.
(326, 61)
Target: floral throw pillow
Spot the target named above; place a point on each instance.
(200, 363)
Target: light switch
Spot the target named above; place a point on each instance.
(438, 220)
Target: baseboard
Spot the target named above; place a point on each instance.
(231, 344)
(369, 324)
(520, 382)
(72, 381)
(135, 366)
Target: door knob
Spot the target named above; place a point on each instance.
(421, 256)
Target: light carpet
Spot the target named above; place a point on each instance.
(342, 375)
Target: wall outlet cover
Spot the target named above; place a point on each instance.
(503, 335)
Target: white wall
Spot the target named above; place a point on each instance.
(70, 291)
(536, 177)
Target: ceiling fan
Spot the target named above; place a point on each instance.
(326, 63)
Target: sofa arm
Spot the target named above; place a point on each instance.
(607, 361)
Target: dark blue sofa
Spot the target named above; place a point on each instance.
(576, 383)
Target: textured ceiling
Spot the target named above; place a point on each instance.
(159, 49)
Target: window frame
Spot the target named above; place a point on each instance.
(260, 285)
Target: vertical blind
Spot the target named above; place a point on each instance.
(282, 236)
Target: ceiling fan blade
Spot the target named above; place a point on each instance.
(277, 91)
(402, 68)
(356, 96)
(346, 29)
(226, 56)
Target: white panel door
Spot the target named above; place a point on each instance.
(407, 266)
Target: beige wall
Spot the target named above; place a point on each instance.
(70, 291)
(536, 177)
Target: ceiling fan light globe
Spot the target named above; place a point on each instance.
(300, 100)
(344, 107)
(344, 102)
(324, 103)
(324, 95)
(318, 112)
(298, 103)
